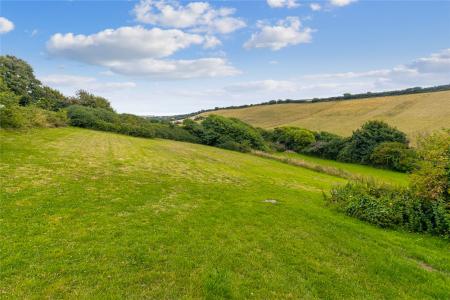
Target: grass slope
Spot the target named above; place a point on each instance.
(414, 114)
(366, 172)
(100, 215)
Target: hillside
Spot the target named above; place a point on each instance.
(101, 215)
(413, 114)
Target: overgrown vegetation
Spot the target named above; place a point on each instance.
(422, 207)
(227, 133)
(375, 143)
(107, 120)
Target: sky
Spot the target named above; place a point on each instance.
(163, 57)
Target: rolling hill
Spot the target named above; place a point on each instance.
(88, 214)
(414, 114)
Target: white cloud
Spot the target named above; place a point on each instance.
(427, 71)
(341, 3)
(175, 69)
(283, 3)
(211, 42)
(435, 63)
(315, 6)
(121, 43)
(139, 51)
(262, 85)
(286, 32)
(5, 25)
(83, 82)
(198, 16)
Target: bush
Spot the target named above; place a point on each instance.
(20, 117)
(364, 140)
(327, 145)
(108, 120)
(432, 178)
(395, 156)
(293, 138)
(228, 133)
(391, 207)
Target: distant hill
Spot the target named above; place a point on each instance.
(414, 114)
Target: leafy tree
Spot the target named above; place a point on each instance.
(432, 179)
(18, 77)
(293, 138)
(364, 140)
(395, 156)
(219, 130)
(85, 98)
(327, 145)
(228, 133)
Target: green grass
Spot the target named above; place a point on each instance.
(86, 214)
(413, 114)
(365, 172)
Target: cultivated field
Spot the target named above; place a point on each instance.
(86, 214)
(413, 114)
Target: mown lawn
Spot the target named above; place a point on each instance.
(85, 214)
(365, 172)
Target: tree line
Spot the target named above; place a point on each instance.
(344, 97)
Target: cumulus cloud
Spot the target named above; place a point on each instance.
(285, 33)
(139, 51)
(5, 25)
(198, 16)
(427, 71)
(211, 42)
(262, 85)
(121, 43)
(341, 3)
(435, 63)
(175, 69)
(283, 3)
(83, 82)
(315, 6)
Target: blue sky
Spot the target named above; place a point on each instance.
(165, 57)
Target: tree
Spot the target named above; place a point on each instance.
(432, 179)
(395, 156)
(364, 140)
(19, 78)
(85, 98)
(293, 138)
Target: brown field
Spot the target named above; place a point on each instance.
(414, 114)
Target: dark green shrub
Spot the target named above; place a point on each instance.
(364, 140)
(107, 120)
(327, 145)
(228, 133)
(293, 138)
(391, 207)
(395, 156)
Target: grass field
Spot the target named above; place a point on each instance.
(85, 214)
(429, 111)
(365, 172)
